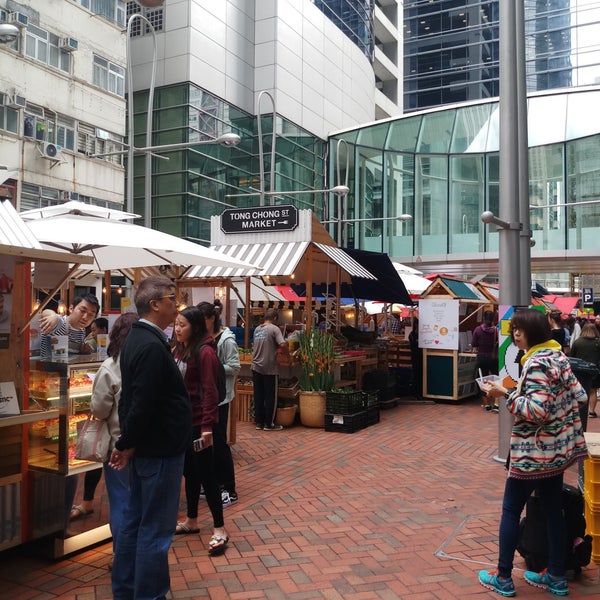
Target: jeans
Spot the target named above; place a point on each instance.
(264, 398)
(199, 470)
(224, 466)
(516, 493)
(117, 487)
(141, 565)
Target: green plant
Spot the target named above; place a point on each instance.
(316, 361)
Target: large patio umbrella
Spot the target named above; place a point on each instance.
(115, 243)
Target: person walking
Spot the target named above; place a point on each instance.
(228, 353)
(106, 393)
(155, 417)
(587, 347)
(547, 438)
(267, 340)
(196, 357)
(485, 343)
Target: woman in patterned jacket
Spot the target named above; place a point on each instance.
(547, 437)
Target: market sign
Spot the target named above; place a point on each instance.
(259, 218)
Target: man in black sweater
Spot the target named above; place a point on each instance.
(155, 417)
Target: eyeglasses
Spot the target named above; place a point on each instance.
(171, 297)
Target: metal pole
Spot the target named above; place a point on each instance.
(509, 259)
(523, 153)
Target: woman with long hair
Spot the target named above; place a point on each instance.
(546, 438)
(106, 393)
(196, 356)
(587, 347)
(227, 351)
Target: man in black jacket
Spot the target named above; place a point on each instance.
(155, 418)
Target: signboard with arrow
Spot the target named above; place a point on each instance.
(259, 219)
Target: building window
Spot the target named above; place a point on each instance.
(154, 15)
(108, 76)
(65, 133)
(9, 119)
(44, 46)
(111, 10)
(91, 140)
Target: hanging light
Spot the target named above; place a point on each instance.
(36, 304)
(119, 290)
(62, 308)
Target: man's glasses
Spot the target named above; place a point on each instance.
(171, 297)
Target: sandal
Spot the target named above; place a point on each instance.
(592, 414)
(183, 529)
(78, 512)
(217, 544)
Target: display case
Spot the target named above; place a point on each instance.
(66, 387)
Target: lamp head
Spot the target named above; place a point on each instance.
(405, 217)
(229, 139)
(487, 216)
(341, 190)
(8, 33)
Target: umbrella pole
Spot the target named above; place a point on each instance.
(338, 294)
(106, 292)
(309, 290)
(248, 316)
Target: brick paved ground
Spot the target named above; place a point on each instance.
(407, 508)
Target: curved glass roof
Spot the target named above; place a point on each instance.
(474, 128)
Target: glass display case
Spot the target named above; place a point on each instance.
(65, 386)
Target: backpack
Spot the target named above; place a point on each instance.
(221, 376)
(533, 544)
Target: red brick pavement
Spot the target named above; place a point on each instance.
(407, 508)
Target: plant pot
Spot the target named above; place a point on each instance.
(312, 409)
(285, 416)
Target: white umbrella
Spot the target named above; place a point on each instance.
(411, 278)
(116, 244)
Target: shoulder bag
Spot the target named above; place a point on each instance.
(93, 440)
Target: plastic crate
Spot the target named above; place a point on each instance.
(373, 415)
(346, 423)
(344, 403)
(592, 520)
(591, 481)
(370, 399)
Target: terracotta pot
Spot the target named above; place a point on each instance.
(312, 409)
(285, 416)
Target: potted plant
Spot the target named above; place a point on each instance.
(315, 352)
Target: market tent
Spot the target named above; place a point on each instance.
(114, 243)
(566, 304)
(387, 288)
(412, 279)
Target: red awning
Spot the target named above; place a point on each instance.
(565, 304)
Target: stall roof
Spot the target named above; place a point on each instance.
(17, 240)
(462, 290)
(566, 304)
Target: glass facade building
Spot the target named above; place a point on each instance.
(442, 167)
(354, 18)
(196, 183)
(451, 48)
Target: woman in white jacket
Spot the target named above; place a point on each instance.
(104, 405)
(227, 351)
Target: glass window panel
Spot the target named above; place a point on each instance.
(436, 132)
(373, 136)
(403, 134)
(583, 185)
(399, 200)
(493, 141)
(466, 203)
(431, 205)
(471, 129)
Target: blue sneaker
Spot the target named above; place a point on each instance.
(555, 585)
(491, 581)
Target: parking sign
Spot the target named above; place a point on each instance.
(587, 296)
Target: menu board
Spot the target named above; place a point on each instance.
(438, 324)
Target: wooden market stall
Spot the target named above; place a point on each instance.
(21, 482)
(449, 310)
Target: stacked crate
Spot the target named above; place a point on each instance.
(591, 492)
(351, 410)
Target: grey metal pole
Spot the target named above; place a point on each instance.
(509, 242)
(525, 242)
(510, 261)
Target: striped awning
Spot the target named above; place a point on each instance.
(277, 260)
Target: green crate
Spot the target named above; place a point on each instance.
(344, 403)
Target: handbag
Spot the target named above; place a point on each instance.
(93, 440)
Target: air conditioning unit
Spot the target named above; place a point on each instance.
(18, 19)
(50, 151)
(14, 101)
(68, 44)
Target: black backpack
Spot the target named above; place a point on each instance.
(221, 376)
(533, 541)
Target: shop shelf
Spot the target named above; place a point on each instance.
(346, 423)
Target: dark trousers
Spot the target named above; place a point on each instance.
(264, 398)
(222, 452)
(199, 471)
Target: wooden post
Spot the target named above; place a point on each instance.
(107, 306)
(248, 315)
(309, 285)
